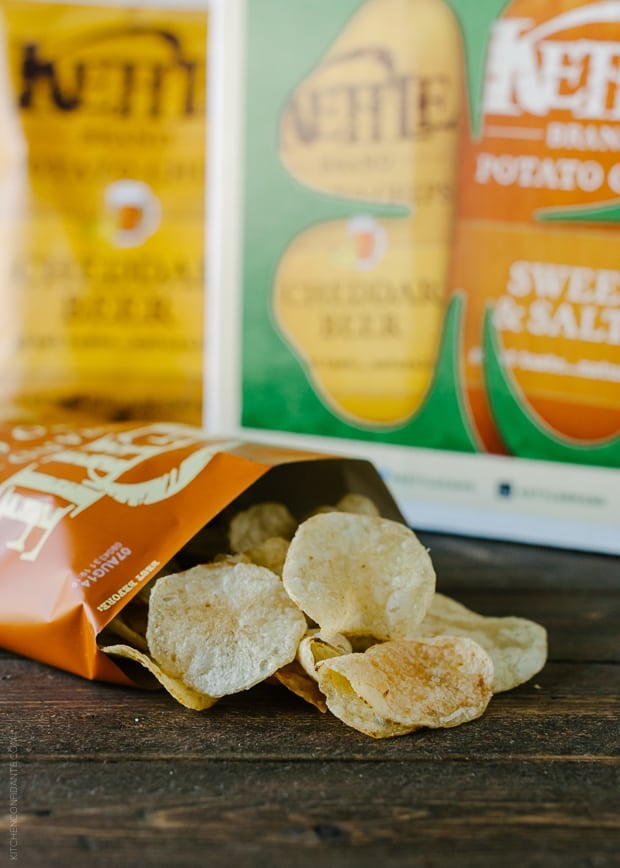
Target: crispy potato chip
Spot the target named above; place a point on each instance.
(130, 623)
(227, 558)
(438, 682)
(315, 647)
(222, 628)
(517, 646)
(318, 510)
(260, 522)
(344, 703)
(271, 554)
(359, 574)
(172, 566)
(357, 503)
(176, 688)
(120, 628)
(293, 677)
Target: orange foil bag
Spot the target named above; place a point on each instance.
(88, 516)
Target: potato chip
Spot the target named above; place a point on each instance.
(222, 628)
(315, 647)
(293, 677)
(517, 646)
(119, 627)
(176, 688)
(253, 526)
(271, 554)
(359, 574)
(144, 594)
(130, 623)
(227, 558)
(357, 503)
(318, 510)
(346, 705)
(408, 684)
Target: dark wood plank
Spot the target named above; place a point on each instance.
(218, 813)
(462, 562)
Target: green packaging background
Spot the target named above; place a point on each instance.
(285, 40)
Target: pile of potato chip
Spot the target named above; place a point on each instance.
(341, 609)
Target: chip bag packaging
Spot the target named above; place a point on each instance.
(89, 515)
(437, 282)
(103, 163)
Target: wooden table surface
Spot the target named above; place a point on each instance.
(110, 776)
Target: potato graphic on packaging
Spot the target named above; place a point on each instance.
(361, 301)
(358, 303)
(376, 120)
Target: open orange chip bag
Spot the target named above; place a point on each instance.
(154, 556)
(88, 516)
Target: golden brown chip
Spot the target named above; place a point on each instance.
(346, 705)
(221, 628)
(271, 554)
(293, 677)
(227, 558)
(315, 647)
(359, 574)
(357, 503)
(120, 628)
(517, 646)
(439, 682)
(130, 623)
(318, 510)
(260, 522)
(176, 688)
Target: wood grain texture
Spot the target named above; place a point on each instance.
(114, 776)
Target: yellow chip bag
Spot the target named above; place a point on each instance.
(103, 164)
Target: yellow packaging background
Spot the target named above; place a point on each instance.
(362, 302)
(102, 223)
